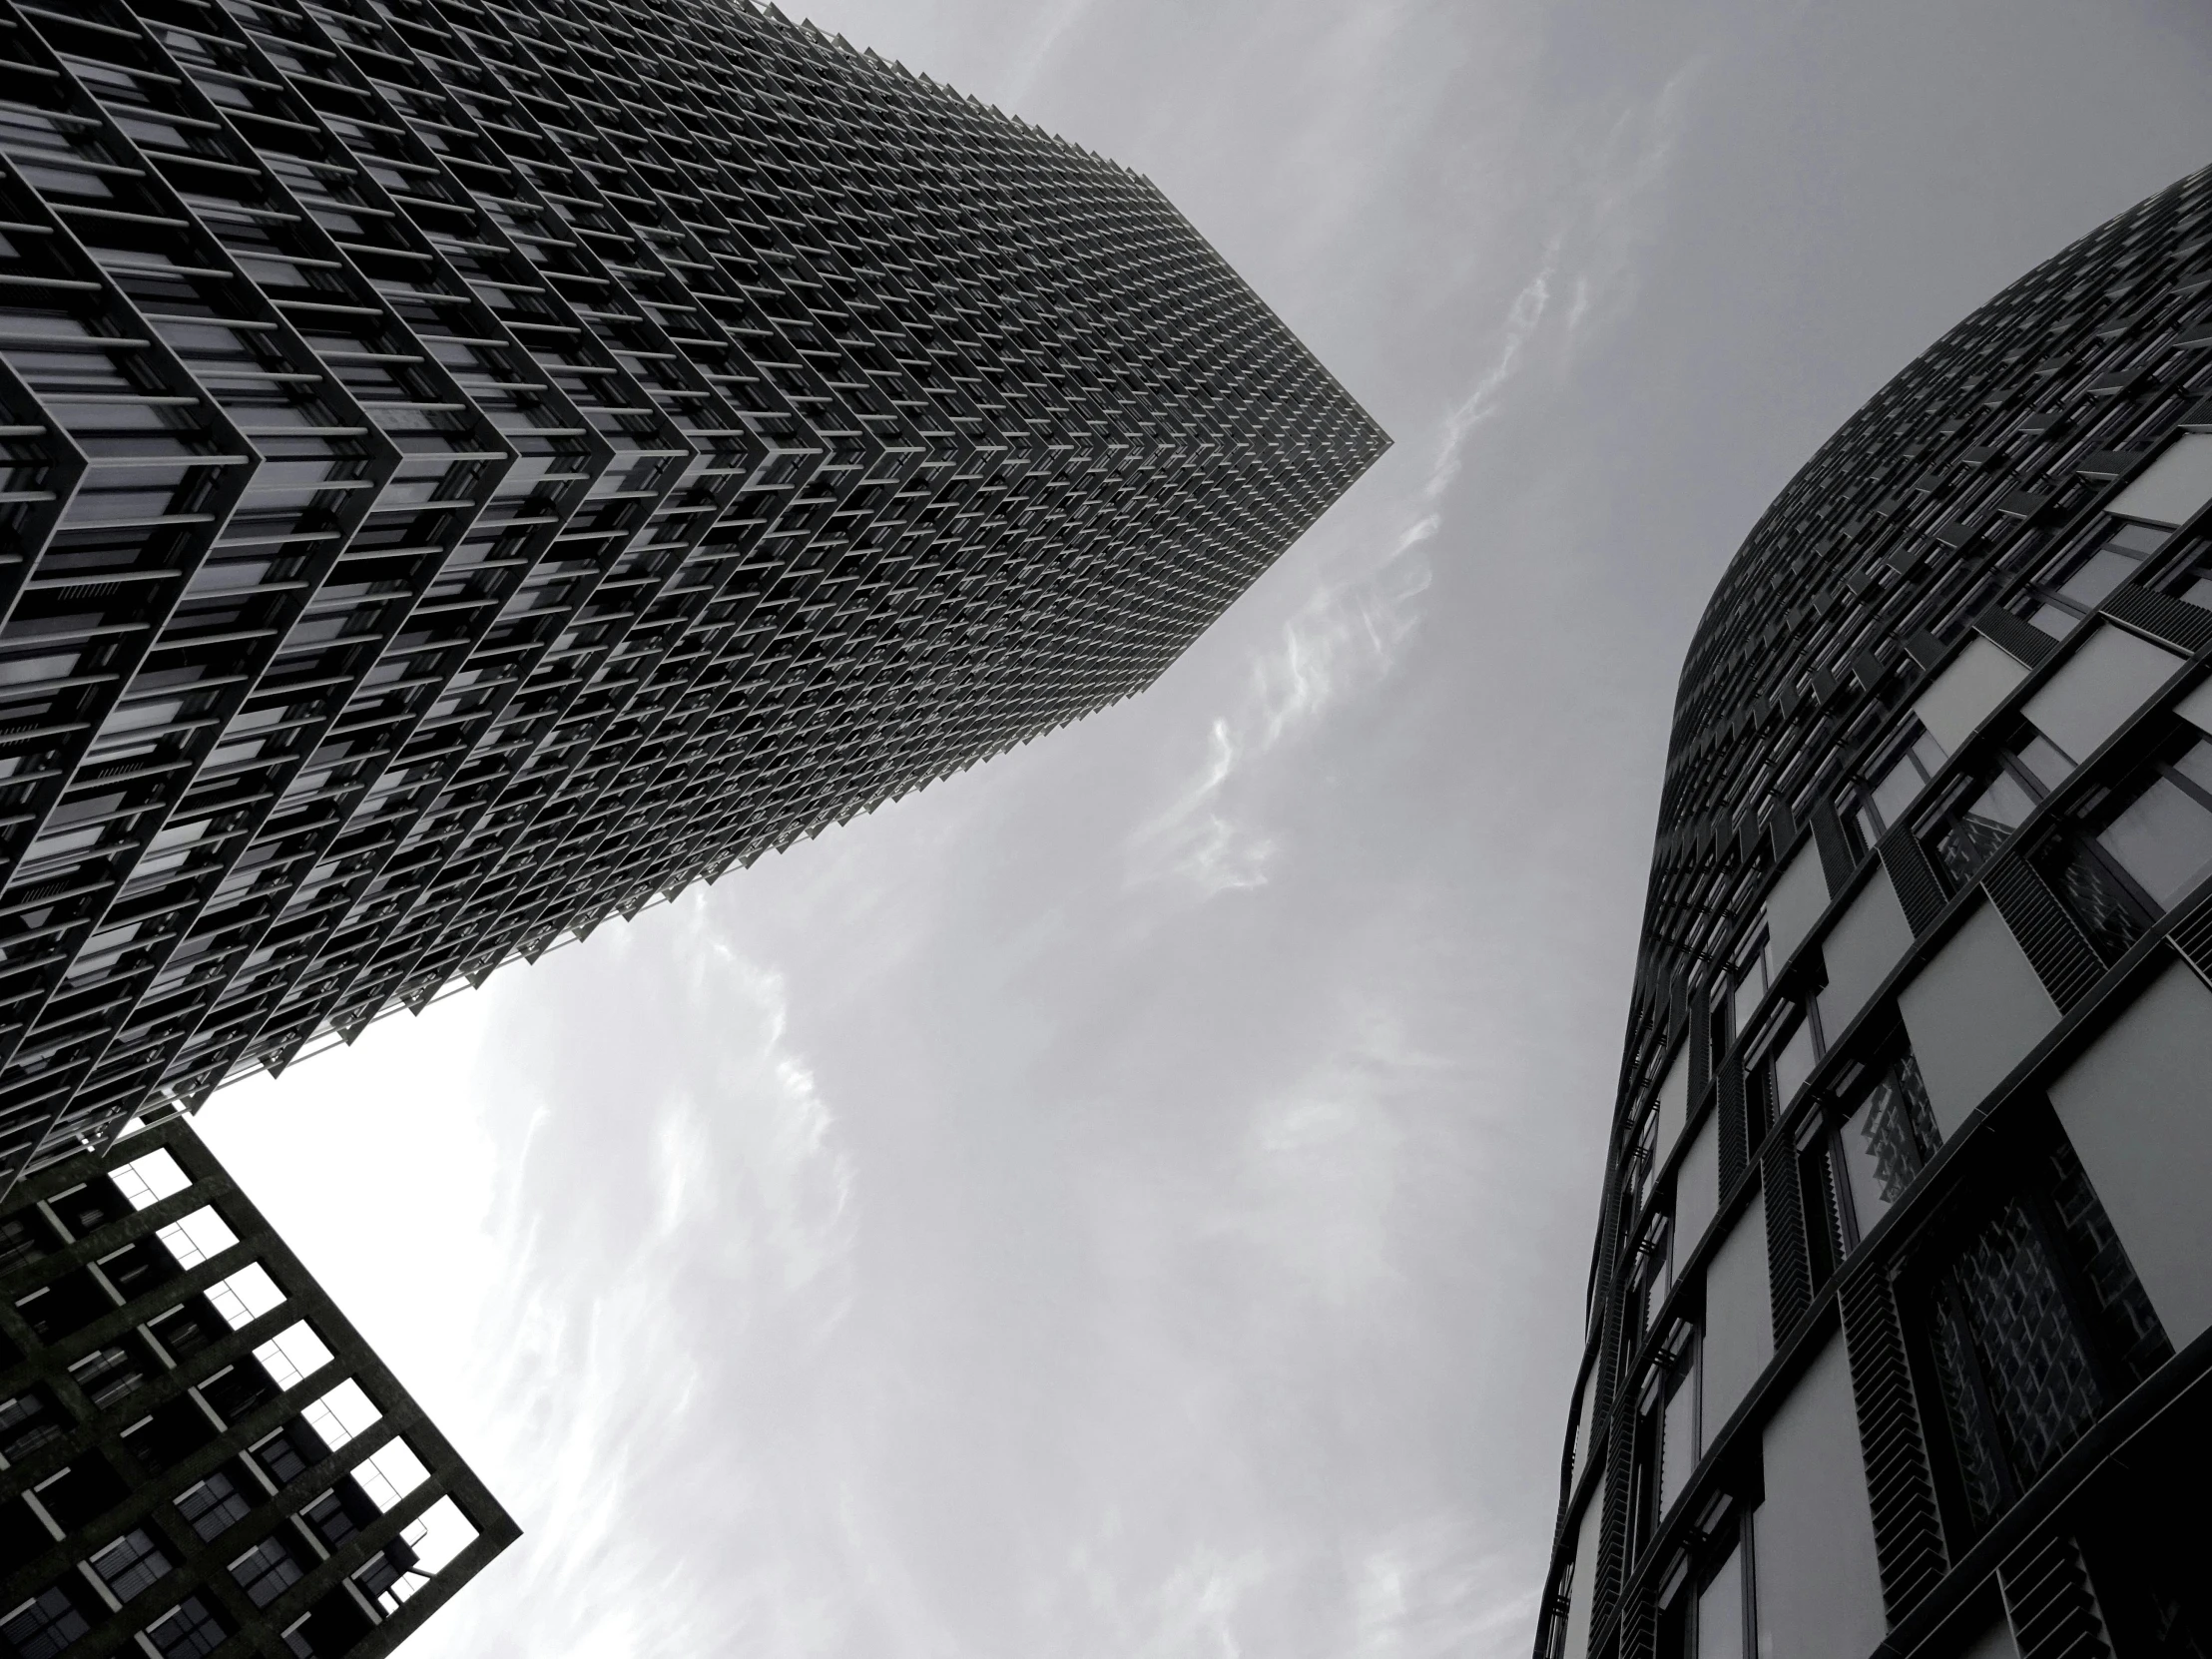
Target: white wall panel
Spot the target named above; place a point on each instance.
(1697, 1187)
(1674, 1105)
(1973, 1013)
(1820, 1589)
(1979, 679)
(1739, 1317)
(2106, 680)
(2138, 1109)
(1860, 949)
(1798, 900)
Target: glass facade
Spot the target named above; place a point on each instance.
(1900, 1309)
(466, 468)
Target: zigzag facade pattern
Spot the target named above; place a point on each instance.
(473, 468)
(1981, 510)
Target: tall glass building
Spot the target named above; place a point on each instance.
(466, 467)
(1899, 1316)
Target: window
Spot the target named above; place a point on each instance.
(2161, 834)
(2135, 850)
(294, 1355)
(214, 1505)
(1907, 767)
(1754, 973)
(2033, 1324)
(1981, 812)
(2071, 588)
(130, 1564)
(341, 1413)
(1794, 1059)
(193, 1239)
(288, 1453)
(43, 1625)
(26, 1423)
(1655, 1266)
(265, 1571)
(1679, 1446)
(80, 1494)
(107, 1373)
(335, 1520)
(65, 1306)
(237, 1389)
(1723, 1607)
(24, 1236)
(246, 1296)
(188, 1326)
(187, 1631)
(2172, 489)
(1879, 1145)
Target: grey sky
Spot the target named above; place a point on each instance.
(1133, 1199)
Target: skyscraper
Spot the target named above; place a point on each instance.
(473, 466)
(1900, 1309)
(199, 1449)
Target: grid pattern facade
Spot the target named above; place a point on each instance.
(2017, 524)
(198, 1454)
(471, 467)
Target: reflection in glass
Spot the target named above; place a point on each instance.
(1973, 841)
(1887, 1142)
(2109, 915)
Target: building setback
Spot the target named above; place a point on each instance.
(466, 468)
(1899, 1316)
(198, 1454)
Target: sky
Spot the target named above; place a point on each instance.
(1133, 1199)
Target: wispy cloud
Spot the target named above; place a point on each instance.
(1621, 206)
(1429, 1590)
(1052, 31)
(1348, 633)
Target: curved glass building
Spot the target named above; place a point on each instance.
(1901, 1309)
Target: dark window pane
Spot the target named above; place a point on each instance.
(24, 1236)
(216, 1504)
(130, 1564)
(65, 1306)
(265, 1571)
(187, 1631)
(81, 1494)
(45, 1625)
(26, 1423)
